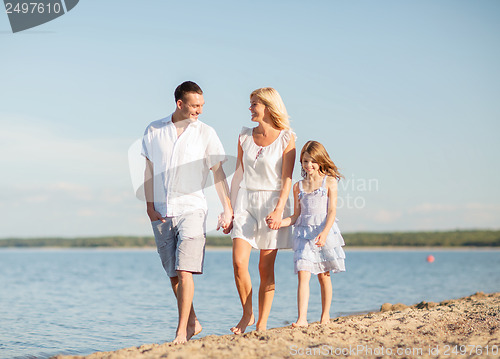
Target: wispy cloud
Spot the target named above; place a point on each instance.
(33, 151)
(387, 216)
(55, 179)
(442, 207)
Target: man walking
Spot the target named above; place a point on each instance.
(180, 150)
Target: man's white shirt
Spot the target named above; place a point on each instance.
(181, 164)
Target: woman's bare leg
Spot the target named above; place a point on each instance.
(266, 289)
(241, 257)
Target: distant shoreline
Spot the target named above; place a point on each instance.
(449, 239)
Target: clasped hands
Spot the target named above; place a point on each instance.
(273, 220)
(225, 221)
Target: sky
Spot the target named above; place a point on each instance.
(404, 95)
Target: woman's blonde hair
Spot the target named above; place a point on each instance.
(319, 155)
(273, 102)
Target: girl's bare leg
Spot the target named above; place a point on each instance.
(326, 296)
(302, 298)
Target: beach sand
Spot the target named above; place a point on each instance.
(459, 328)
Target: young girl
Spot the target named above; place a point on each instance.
(317, 241)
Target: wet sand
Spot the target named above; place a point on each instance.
(459, 328)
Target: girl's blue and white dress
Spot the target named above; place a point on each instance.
(308, 256)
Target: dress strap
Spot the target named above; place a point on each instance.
(300, 186)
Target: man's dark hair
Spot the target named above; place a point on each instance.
(184, 88)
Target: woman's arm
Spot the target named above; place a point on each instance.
(235, 183)
(237, 176)
(331, 184)
(226, 217)
(274, 218)
(296, 208)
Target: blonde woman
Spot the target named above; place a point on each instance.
(259, 194)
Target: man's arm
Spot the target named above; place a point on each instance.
(149, 192)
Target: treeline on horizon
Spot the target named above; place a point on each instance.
(471, 238)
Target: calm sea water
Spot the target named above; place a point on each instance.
(82, 301)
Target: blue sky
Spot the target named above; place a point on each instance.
(403, 94)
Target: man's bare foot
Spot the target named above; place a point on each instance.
(243, 324)
(325, 320)
(300, 323)
(193, 329)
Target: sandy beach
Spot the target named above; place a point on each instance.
(459, 328)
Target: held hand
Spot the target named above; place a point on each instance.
(228, 229)
(320, 240)
(221, 223)
(274, 219)
(225, 220)
(154, 215)
(273, 225)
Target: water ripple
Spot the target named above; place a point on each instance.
(80, 301)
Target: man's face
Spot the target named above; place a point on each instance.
(191, 106)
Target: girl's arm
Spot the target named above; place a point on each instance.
(296, 208)
(331, 184)
(274, 218)
(235, 182)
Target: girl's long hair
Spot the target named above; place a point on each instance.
(319, 155)
(273, 102)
